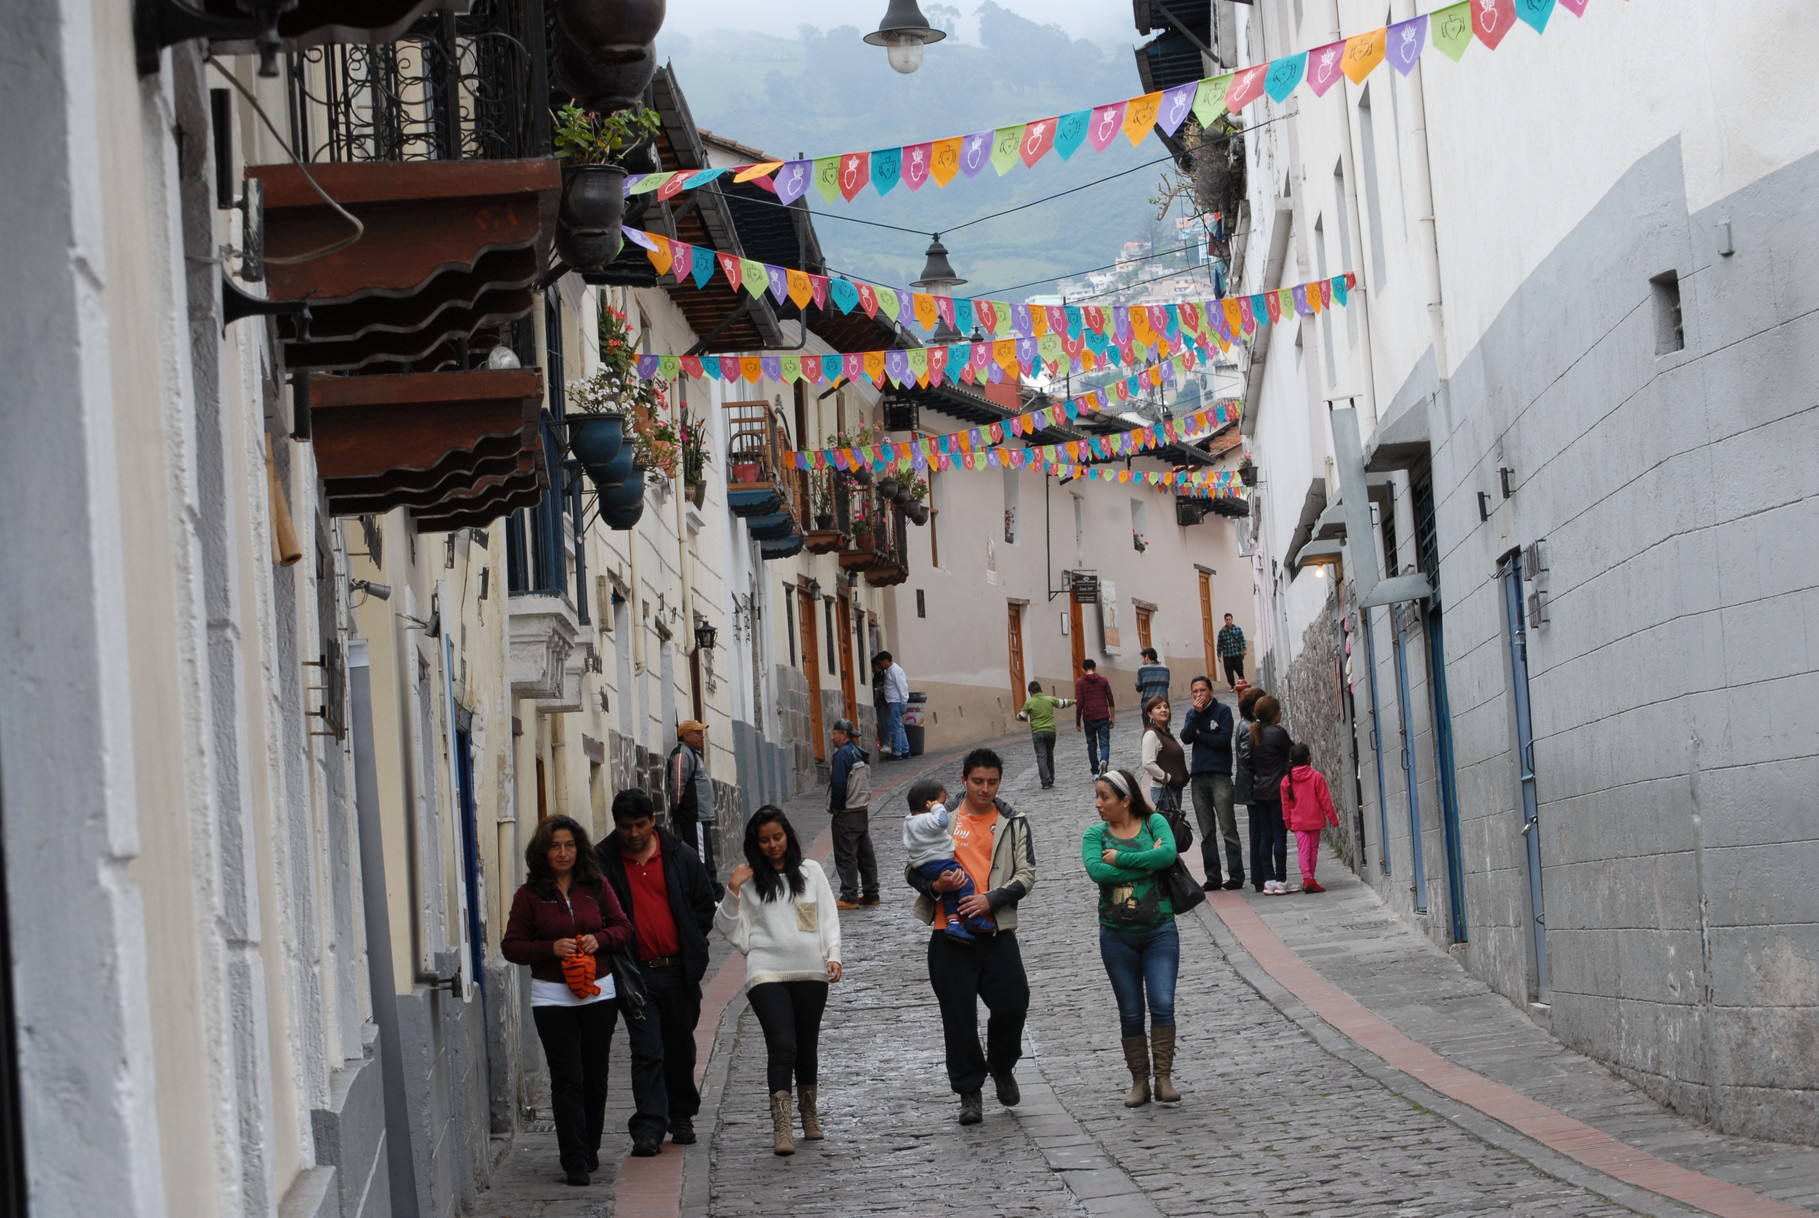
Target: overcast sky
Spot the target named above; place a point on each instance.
(1103, 19)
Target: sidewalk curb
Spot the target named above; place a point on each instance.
(1479, 1124)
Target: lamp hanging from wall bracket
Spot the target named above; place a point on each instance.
(706, 635)
(903, 33)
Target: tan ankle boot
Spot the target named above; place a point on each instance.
(806, 1098)
(1137, 1057)
(1162, 1046)
(783, 1141)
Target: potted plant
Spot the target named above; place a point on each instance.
(1247, 471)
(888, 486)
(821, 494)
(604, 78)
(591, 146)
(597, 25)
(693, 436)
(1137, 542)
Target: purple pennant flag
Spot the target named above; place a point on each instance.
(1177, 104)
(995, 371)
(792, 181)
(647, 366)
(772, 366)
(1406, 41)
(896, 365)
(1026, 353)
(637, 238)
(976, 152)
(1121, 326)
(1301, 305)
(1020, 319)
(779, 282)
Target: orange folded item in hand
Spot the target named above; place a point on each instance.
(578, 971)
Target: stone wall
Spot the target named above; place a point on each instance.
(1315, 711)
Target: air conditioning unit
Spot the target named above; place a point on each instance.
(1189, 511)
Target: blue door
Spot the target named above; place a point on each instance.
(1448, 781)
(1516, 625)
(1383, 798)
(1410, 772)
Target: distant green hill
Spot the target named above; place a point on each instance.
(826, 91)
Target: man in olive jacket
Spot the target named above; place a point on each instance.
(992, 846)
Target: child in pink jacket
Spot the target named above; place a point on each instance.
(1307, 808)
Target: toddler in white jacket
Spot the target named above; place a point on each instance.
(930, 844)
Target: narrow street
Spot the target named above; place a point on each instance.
(1283, 1113)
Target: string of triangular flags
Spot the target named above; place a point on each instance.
(1001, 318)
(1225, 487)
(974, 449)
(1451, 29)
(1178, 334)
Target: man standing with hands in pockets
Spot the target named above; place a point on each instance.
(1207, 731)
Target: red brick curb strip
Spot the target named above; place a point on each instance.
(1553, 1129)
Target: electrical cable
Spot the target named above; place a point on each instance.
(325, 251)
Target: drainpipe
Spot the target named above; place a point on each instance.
(685, 567)
(1355, 221)
(401, 1170)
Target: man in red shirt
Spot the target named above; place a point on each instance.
(669, 898)
(1094, 713)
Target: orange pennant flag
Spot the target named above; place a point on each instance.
(662, 257)
(749, 172)
(874, 366)
(944, 160)
(1234, 317)
(801, 288)
(924, 306)
(1004, 351)
(1363, 52)
(1140, 116)
(1038, 322)
(751, 368)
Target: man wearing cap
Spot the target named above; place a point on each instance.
(691, 794)
(849, 796)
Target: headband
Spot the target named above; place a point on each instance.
(1117, 781)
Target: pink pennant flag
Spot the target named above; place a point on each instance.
(1247, 87)
(1038, 138)
(673, 187)
(1491, 21)
(852, 364)
(819, 284)
(937, 364)
(1325, 67)
(1576, 7)
(1106, 123)
(916, 161)
(944, 309)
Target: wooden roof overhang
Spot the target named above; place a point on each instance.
(459, 448)
(450, 248)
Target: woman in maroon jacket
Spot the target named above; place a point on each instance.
(565, 909)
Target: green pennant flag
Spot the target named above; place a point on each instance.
(669, 366)
(1209, 99)
(791, 366)
(917, 358)
(1452, 29)
(1049, 345)
(754, 277)
(889, 303)
(827, 178)
(1004, 148)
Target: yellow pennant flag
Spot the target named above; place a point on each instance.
(924, 306)
(944, 160)
(1140, 116)
(801, 287)
(1363, 52)
(662, 257)
(757, 171)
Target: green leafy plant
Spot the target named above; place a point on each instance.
(693, 437)
(585, 137)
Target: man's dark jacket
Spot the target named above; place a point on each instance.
(691, 895)
(1209, 731)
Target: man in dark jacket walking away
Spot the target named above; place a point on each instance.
(849, 797)
(1207, 730)
(669, 898)
(1095, 714)
(691, 794)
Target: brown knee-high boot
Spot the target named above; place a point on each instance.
(806, 1099)
(1137, 1057)
(783, 1140)
(1162, 1046)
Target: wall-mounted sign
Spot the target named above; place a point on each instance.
(1086, 588)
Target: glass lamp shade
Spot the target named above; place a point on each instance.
(904, 52)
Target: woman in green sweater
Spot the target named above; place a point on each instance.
(1126, 853)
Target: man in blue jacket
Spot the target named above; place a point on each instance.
(1207, 730)
(849, 798)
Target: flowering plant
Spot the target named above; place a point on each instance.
(656, 438)
(584, 137)
(1137, 542)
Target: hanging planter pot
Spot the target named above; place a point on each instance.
(1247, 474)
(607, 79)
(593, 198)
(587, 252)
(596, 440)
(888, 487)
(901, 495)
(602, 24)
(617, 472)
(863, 475)
(622, 506)
(623, 518)
(917, 513)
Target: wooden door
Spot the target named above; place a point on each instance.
(811, 668)
(1209, 637)
(846, 659)
(1076, 631)
(1019, 690)
(1143, 627)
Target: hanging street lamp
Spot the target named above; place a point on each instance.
(903, 32)
(938, 273)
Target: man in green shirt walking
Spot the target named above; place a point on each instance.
(1040, 712)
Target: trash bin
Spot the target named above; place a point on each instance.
(912, 721)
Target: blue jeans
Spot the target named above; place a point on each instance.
(893, 730)
(1141, 962)
(1098, 742)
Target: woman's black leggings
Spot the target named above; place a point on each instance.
(790, 1014)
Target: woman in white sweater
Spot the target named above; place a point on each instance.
(779, 911)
